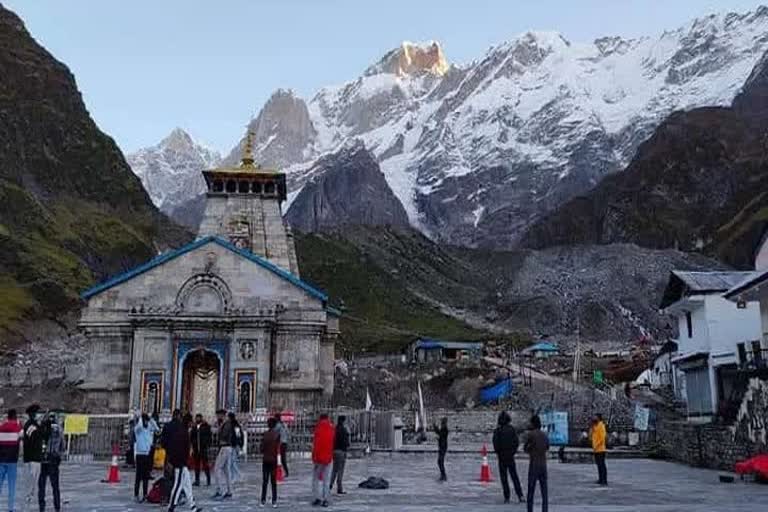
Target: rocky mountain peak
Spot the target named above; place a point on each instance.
(280, 132)
(413, 59)
(171, 170)
(178, 138)
(347, 187)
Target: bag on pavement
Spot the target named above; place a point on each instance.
(374, 482)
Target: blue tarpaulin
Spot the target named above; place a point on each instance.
(496, 392)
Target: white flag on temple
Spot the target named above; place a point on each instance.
(368, 402)
(417, 422)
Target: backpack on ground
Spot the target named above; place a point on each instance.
(374, 482)
(156, 492)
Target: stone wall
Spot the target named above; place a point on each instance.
(719, 446)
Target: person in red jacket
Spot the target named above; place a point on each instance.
(322, 458)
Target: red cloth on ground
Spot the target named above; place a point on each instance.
(757, 464)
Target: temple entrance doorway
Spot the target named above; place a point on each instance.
(200, 383)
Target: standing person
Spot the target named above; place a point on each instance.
(285, 438)
(442, 447)
(322, 457)
(144, 434)
(237, 446)
(340, 448)
(537, 446)
(598, 435)
(223, 465)
(270, 448)
(201, 443)
(505, 444)
(53, 445)
(10, 437)
(33, 452)
(175, 441)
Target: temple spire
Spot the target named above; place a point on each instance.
(247, 159)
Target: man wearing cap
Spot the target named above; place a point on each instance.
(33, 453)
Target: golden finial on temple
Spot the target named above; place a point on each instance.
(247, 159)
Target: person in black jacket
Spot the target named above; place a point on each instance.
(442, 447)
(175, 441)
(52, 448)
(340, 448)
(505, 444)
(201, 443)
(33, 453)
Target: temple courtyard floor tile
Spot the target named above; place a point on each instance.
(635, 485)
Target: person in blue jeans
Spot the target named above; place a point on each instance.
(10, 436)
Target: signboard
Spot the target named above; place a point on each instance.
(642, 415)
(76, 424)
(555, 424)
(597, 376)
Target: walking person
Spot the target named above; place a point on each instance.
(10, 438)
(223, 465)
(144, 434)
(33, 453)
(201, 443)
(598, 435)
(340, 448)
(442, 447)
(505, 444)
(175, 441)
(322, 457)
(537, 446)
(53, 446)
(270, 448)
(285, 438)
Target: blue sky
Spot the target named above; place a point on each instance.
(145, 66)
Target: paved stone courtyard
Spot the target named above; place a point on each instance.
(636, 485)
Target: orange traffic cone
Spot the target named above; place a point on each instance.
(279, 471)
(113, 473)
(485, 469)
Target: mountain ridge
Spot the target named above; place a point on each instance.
(698, 183)
(480, 151)
(71, 210)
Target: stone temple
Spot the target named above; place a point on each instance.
(223, 322)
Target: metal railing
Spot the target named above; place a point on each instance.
(755, 360)
(367, 428)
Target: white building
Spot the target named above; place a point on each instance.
(755, 288)
(713, 332)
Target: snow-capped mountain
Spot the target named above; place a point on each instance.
(477, 152)
(171, 170)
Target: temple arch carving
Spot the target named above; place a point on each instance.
(204, 293)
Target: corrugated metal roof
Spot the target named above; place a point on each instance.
(711, 281)
(428, 343)
(682, 283)
(748, 283)
(542, 346)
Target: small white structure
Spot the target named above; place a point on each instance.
(712, 334)
(754, 288)
(663, 374)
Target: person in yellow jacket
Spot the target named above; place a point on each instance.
(598, 436)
